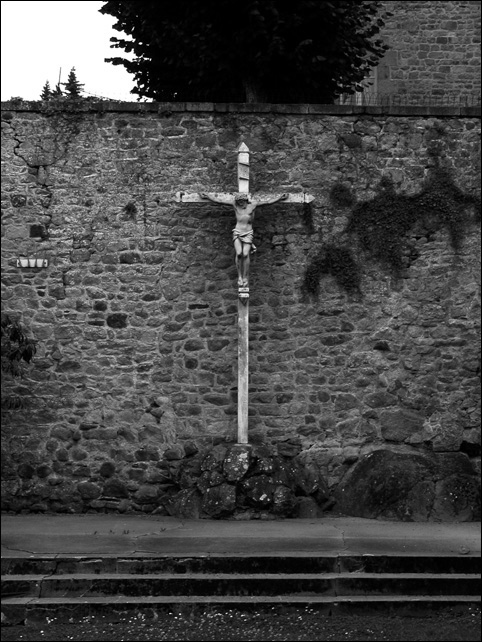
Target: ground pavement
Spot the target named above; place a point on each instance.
(26, 535)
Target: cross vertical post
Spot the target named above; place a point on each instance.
(243, 316)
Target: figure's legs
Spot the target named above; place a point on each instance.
(245, 264)
(238, 248)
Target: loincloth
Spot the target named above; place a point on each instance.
(245, 237)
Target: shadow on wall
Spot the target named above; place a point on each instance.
(384, 228)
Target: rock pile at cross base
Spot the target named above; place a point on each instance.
(268, 482)
(243, 482)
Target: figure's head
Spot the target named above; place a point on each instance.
(241, 200)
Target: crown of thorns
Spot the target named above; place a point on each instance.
(242, 197)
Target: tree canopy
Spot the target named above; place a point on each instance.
(254, 51)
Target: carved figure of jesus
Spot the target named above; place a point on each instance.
(244, 207)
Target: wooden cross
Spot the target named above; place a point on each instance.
(244, 206)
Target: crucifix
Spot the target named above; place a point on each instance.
(244, 205)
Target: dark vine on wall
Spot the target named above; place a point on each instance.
(335, 261)
(17, 349)
(385, 227)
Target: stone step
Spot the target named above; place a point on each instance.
(71, 587)
(34, 611)
(228, 584)
(216, 563)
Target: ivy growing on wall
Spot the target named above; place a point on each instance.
(335, 261)
(384, 228)
(17, 349)
(384, 225)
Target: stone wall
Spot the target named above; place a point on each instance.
(135, 314)
(434, 48)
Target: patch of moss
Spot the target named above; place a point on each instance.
(130, 210)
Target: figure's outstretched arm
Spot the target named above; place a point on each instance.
(275, 199)
(224, 200)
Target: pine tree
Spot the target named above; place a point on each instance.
(73, 86)
(46, 91)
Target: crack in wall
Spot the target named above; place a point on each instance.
(40, 172)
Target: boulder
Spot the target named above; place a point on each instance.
(285, 503)
(219, 501)
(189, 472)
(307, 508)
(417, 486)
(208, 479)
(186, 503)
(214, 459)
(258, 491)
(286, 472)
(264, 460)
(310, 482)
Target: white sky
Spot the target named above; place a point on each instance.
(40, 38)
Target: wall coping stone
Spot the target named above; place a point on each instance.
(241, 108)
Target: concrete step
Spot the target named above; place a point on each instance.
(268, 584)
(35, 611)
(219, 563)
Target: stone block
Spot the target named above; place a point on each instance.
(146, 494)
(398, 425)
(117, 320)
(380, 399)
(89, 490)
(107, 469)
(115, 488)
(289, 448)
(26, 471)
(173, 454)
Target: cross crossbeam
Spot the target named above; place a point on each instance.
(192, 197)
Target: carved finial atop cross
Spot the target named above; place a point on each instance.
(243, 169)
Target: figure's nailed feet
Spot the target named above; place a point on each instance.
(240, 283)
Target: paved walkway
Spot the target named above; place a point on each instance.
(91, 535)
